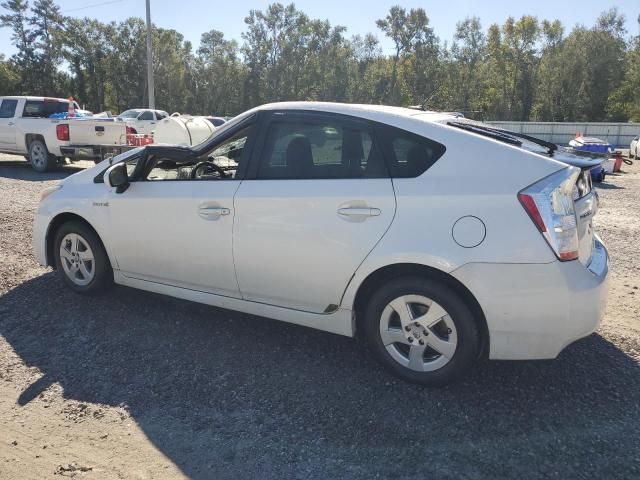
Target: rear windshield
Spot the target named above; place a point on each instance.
(583, 159)
(44, 108)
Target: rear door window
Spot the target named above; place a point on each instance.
(408, 155)
(304, 147)
(146, 116)
(8, 108)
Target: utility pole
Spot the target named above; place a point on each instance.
(152, 95)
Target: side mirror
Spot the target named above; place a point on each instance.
(116, 176)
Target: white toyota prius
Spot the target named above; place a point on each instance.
(438, 240)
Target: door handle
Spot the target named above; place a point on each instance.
(10, 124)
(211, 213)
(359, 211)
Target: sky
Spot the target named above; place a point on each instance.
(193, 17)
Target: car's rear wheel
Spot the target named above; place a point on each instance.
(81, 260)
(422, 331)
(40, 158)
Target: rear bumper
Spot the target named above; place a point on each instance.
(534, 311)
(92, 152)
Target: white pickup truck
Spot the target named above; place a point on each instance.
(26, 129)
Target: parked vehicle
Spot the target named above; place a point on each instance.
(634, 148)
(26, 129)
(437, 243)
(143, 120)
(216, 121)
(596, 146)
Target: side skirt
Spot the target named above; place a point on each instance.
(339, 322)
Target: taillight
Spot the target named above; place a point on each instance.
(62, 132)
(549, 203)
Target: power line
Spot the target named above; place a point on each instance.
(91, 6)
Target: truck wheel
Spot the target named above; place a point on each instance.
(40, 158)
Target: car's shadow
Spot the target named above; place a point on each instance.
(608, 186)
(21, 170)
(227, 395)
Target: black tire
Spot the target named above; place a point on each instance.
(468, 336)
(40, 158)
(102, 278)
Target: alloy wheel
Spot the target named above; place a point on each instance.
(418, 333)
(77, 259)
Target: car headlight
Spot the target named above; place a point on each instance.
(48, 191)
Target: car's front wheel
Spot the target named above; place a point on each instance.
(422, 331)
(81, 259)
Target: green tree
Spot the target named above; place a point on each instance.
(46, 24)
(16, 18)
(468, 53)
(410, 32)
(624, 102)
(9, 77)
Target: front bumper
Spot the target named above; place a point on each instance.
(39, 238)
(534, 311)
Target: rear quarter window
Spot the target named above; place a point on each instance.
(408, 155)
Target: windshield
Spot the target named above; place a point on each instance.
(130, 114)
(219, 131)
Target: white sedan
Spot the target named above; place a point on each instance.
(437, 240)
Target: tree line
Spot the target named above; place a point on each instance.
(524, 69)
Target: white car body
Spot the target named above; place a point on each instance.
(282, 249)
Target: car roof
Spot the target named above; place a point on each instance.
(379, 111)
(19, 97)
(140, 110)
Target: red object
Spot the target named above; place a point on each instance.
(572, 255)
(532, 209)
(138, 140)
(618, 164)
(62, 132)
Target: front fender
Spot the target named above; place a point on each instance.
(67, 206)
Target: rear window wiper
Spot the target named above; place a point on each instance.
(488, 132)
(552, 147)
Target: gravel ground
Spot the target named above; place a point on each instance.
(137, 385)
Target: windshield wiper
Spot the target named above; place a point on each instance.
(496, 134)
